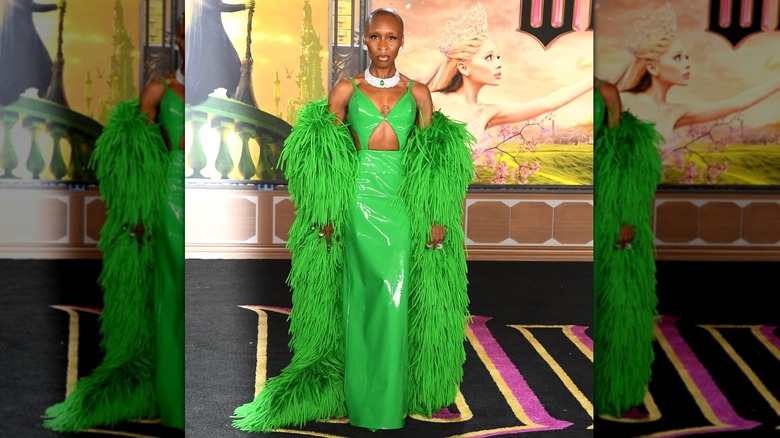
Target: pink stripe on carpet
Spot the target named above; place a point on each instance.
(515, 382)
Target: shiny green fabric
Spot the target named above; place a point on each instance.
(377, 246)
(364, 117)
(169, 297)
(377, 251)
(171, 116)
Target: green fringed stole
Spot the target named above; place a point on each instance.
(627, 169)
(438, 167)
(320, 164)
(130, 163)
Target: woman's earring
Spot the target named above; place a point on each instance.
(365, 47)
(401, 49)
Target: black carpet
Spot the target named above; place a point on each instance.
(34, 341)
(717, 355)
(715, 373)
(546, 380)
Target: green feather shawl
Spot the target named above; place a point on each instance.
(131, 162)
(627, 169)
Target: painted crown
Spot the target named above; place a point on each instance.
(472, 22)
(661, 22)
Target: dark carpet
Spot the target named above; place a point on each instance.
(34, 340)
(525, 371)
(716, 369)
(717, 356)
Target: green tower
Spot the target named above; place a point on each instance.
(309, 79)
(120, 76)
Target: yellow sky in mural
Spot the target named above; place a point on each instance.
(86, 46)
(718, 71)
(276, 30)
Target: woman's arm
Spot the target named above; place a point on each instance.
(614, 106)
(150, 98)
(338, 99)
(611, 97)
(149, 102)
(709, 111)
(422, 96)
(513, 112)
(230, 7)
(43, 7)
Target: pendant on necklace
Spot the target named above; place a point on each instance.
(390, 82)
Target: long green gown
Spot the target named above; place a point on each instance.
(377, 254)
(627, 169)
(169, 292)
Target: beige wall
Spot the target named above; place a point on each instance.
(552, 225)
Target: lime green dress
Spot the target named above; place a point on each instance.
(627, 169)
(169, 293)
(377, 246)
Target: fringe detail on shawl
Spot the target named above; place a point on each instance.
(131, 161)
(320, 164)
(627, 170)
(438, 169)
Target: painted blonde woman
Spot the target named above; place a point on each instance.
(473, 61)
(661, 62)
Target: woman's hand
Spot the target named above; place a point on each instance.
(326, 231)
(438, 233)
(138, 233)
(625, 237)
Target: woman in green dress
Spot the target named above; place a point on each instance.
(378, 264)
(139, 163)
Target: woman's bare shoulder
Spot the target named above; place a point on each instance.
(609, 90)
(342, 90)
(420, 89)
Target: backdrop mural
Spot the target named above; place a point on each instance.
(254, 64)
(532, 111)
(708, 74)
(532, 115)
(63, 66)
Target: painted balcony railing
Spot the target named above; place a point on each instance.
(230, 141)
(45, 141)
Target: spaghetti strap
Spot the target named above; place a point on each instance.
(409, 88)
(353, 82)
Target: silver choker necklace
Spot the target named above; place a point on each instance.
(383, 82)
(179, 76)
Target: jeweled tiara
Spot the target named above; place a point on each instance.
(472, 22)
(661, 22)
